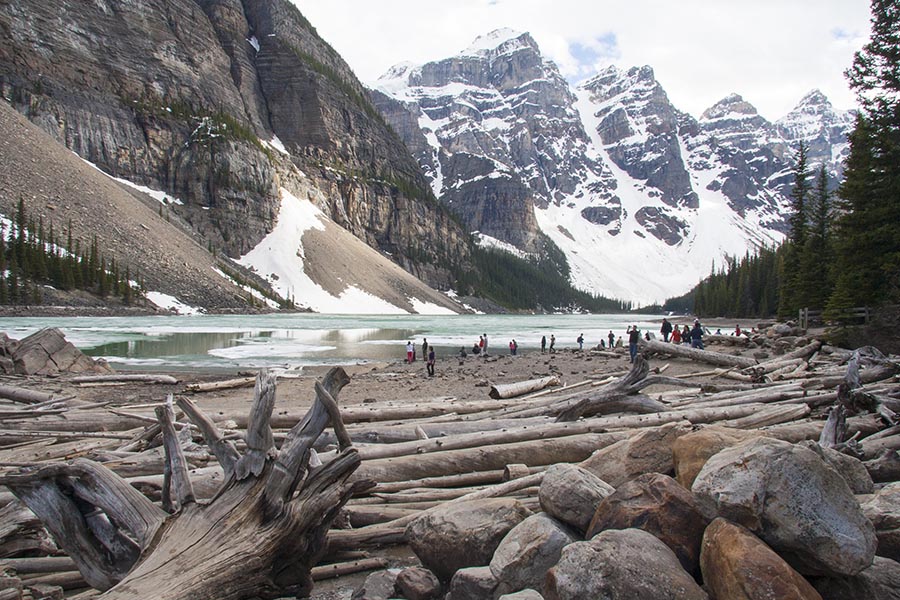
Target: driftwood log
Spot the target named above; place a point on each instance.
(706, 356)
(259, 537)
(511, 390)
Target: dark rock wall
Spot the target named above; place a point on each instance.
(172, 94)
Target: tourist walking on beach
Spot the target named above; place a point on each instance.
(552, 343)
(665, 330)
(634, 335)
(409, 351)
(580, 341)
(543, 343)
(612, 339)
(484, 350)
(686, 335)
(676, 336)
(424, 347)
(429, 366)
(482, 345)
(697, 335)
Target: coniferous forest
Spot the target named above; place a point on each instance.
(32, 256)
(843, 246)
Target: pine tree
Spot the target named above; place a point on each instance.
(792, 296)
(867, 235)
(816, 258)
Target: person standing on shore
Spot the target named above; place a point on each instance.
(543, 343)
(676, 336)
(612, 339)
(484, 350)
(429, 366)
(686, 335)
(409, 351)
(482, 345)
(666, 329)
(424, 347)
(634, 335)
(697, 335)
(552, 343)
(580, 341)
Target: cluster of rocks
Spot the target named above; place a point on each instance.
(45, 352)
(672, 512)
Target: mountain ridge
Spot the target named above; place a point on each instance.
(640, 196)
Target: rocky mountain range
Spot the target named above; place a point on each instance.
(641, 197)
(255, 140)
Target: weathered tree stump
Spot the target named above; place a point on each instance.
(258, 537)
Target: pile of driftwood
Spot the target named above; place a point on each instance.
(147, 508)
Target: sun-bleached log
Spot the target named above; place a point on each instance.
(132, 378)
(214, 386)
(705, 356)
(511, 390)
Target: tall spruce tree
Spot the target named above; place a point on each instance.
(816, 256)
(792, 291)
(867, 232)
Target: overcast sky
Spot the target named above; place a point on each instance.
(772, 52)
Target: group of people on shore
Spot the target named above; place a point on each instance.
(427, 352)
(670, 334)
(686, 335)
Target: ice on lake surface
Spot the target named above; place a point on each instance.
(229, 342)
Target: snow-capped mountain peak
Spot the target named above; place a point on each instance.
(498, 41)
(732, 106)
(639, 196)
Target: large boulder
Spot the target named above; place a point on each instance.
(522, 595)
(883, 511)
(851, 469)
(47, 352)
(881, 581)
(659, 505)
(377, 586)
(791, 499)
(737, 565)
(571, 494)
(649, 451)
(526, 553)
(691, 450)
(620, 564)
(416, 583)
(462, 534)
(472, 583)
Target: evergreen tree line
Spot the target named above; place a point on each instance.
(520, 284)
(843, 248)
(32, 256)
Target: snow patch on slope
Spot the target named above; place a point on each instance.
(279, 258)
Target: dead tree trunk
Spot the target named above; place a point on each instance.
(258, 537)
(617, 396)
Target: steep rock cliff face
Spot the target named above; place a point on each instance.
(194, 96)
(498, 133)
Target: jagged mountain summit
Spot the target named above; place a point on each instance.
(642, 198)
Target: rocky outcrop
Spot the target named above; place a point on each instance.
(46, 352)
(571, 494)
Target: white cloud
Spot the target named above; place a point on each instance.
(770, 51)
